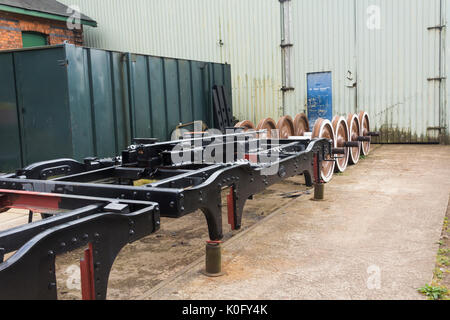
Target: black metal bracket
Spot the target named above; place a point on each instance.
(98, 203)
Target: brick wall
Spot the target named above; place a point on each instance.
(12, 25)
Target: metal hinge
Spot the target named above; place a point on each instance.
(63, 63)
(284, 89)
(436, 129)
(440, 27)
(129, 57)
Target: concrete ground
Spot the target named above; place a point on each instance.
(375, 237)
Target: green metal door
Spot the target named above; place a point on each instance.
(33, 39)
(43, 105)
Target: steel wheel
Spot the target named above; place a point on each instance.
(340, 127)
(246, 124)
(354, 131)
(286, 127)
(323, 129)
(301, 125)
(269, 125)
(364, 121)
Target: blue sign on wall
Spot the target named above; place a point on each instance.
(320, 96)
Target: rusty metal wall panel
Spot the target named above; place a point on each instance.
(251, 32)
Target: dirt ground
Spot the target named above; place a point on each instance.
(146, 263)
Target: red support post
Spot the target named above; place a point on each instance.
(87, 275)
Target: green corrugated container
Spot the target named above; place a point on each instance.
(76, 102)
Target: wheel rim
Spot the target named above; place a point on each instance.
(301, 124)
(247, 125)
(286, 127)
(354, 130)
(269, 125)
(341, 131)
(323, 129)
(364, 121)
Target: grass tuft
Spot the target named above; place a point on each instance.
(434, 292)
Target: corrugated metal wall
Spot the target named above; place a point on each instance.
(75, 102)
(395, 64)
(380, 52)
(445, 111)
(385, 48)
(324, 40)
(245, 34)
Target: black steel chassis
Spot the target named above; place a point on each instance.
(103, 209)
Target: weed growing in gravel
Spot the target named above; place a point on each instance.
(438, 273)
(443, 261)
(434, 292)
(438, 289)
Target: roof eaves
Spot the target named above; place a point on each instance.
(44, 15)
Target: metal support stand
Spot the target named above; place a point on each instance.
(319, 192)
(213, 259)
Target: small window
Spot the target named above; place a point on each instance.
(34, 39)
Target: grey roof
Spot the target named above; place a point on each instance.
(45, 6)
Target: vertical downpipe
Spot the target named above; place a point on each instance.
(443, 82)
(20, 120)
(125, 104)
(150, 101)
(131, 95)
(283, 60)
(92, 101)
(286, 50)
(114, 106)
(165, 97)
(355, 58)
